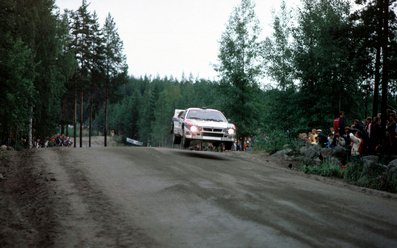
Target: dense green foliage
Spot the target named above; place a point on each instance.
(48, 61)
(240, 67)
(375, 177)
(327, 168)
(322, 58)
(145, 111)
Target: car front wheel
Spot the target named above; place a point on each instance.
(185, 142)
(228, 145)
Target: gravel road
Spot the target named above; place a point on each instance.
(153, 197)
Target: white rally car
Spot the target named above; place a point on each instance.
(203, 125)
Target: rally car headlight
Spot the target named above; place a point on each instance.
(194, 129)
(231, 131)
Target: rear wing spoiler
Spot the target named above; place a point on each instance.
(176, 112)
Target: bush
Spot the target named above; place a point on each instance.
(370, 177)
(277, 140)
(353, 172)
(328, 168)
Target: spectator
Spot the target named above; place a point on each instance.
(368, 124)
(347, 140)
(331, 140)
(313, 135)
(391, 134)
(336, 124)
(342, 123)
(322, 138)
(356, 149)
(304, 137)
(338, 140)
(358, 125)
(376, 135)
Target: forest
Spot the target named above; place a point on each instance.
(62, 72)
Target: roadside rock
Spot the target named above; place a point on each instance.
(285, 153)
(371, 167)
(392, 174)
(372, 158)
(340, 153)
(392, 164)
(326, 152)
(310, 151)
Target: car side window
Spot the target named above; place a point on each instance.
(181, 114)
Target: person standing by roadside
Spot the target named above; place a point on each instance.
(348, 143)
(338, 140)
(356, 150)
(313, 137)
(368, 124)
(342, 123)
(335, 125)
(376, 135)
(391, 141)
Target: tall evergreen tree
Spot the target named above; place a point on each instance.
(83, 44)
(97, 73)
(37, 25)
(240, 66)
(30, 33)
(17, 91)
(67, 66)
(115, 66)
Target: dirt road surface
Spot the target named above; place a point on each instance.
(157, 197)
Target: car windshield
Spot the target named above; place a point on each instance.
(206, 115)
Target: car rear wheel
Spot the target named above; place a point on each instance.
(176, 139)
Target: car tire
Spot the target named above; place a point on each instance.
(228, 145)
(185, 142)
(176, 139)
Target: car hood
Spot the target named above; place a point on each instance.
(215, 124)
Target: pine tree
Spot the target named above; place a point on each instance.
(17, 91)
(37, 25)
(115, 67)
(97, 73)
(81, 45)
(88, 47)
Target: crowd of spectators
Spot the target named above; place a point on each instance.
(57, 140)
(360, 138)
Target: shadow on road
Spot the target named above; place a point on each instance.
(204, 155)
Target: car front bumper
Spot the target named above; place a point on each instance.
(210, 134)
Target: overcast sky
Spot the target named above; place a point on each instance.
(171, 37)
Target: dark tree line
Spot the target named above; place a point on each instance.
(147, 105)
(53, 65)
(61, 69)
(321, 59)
